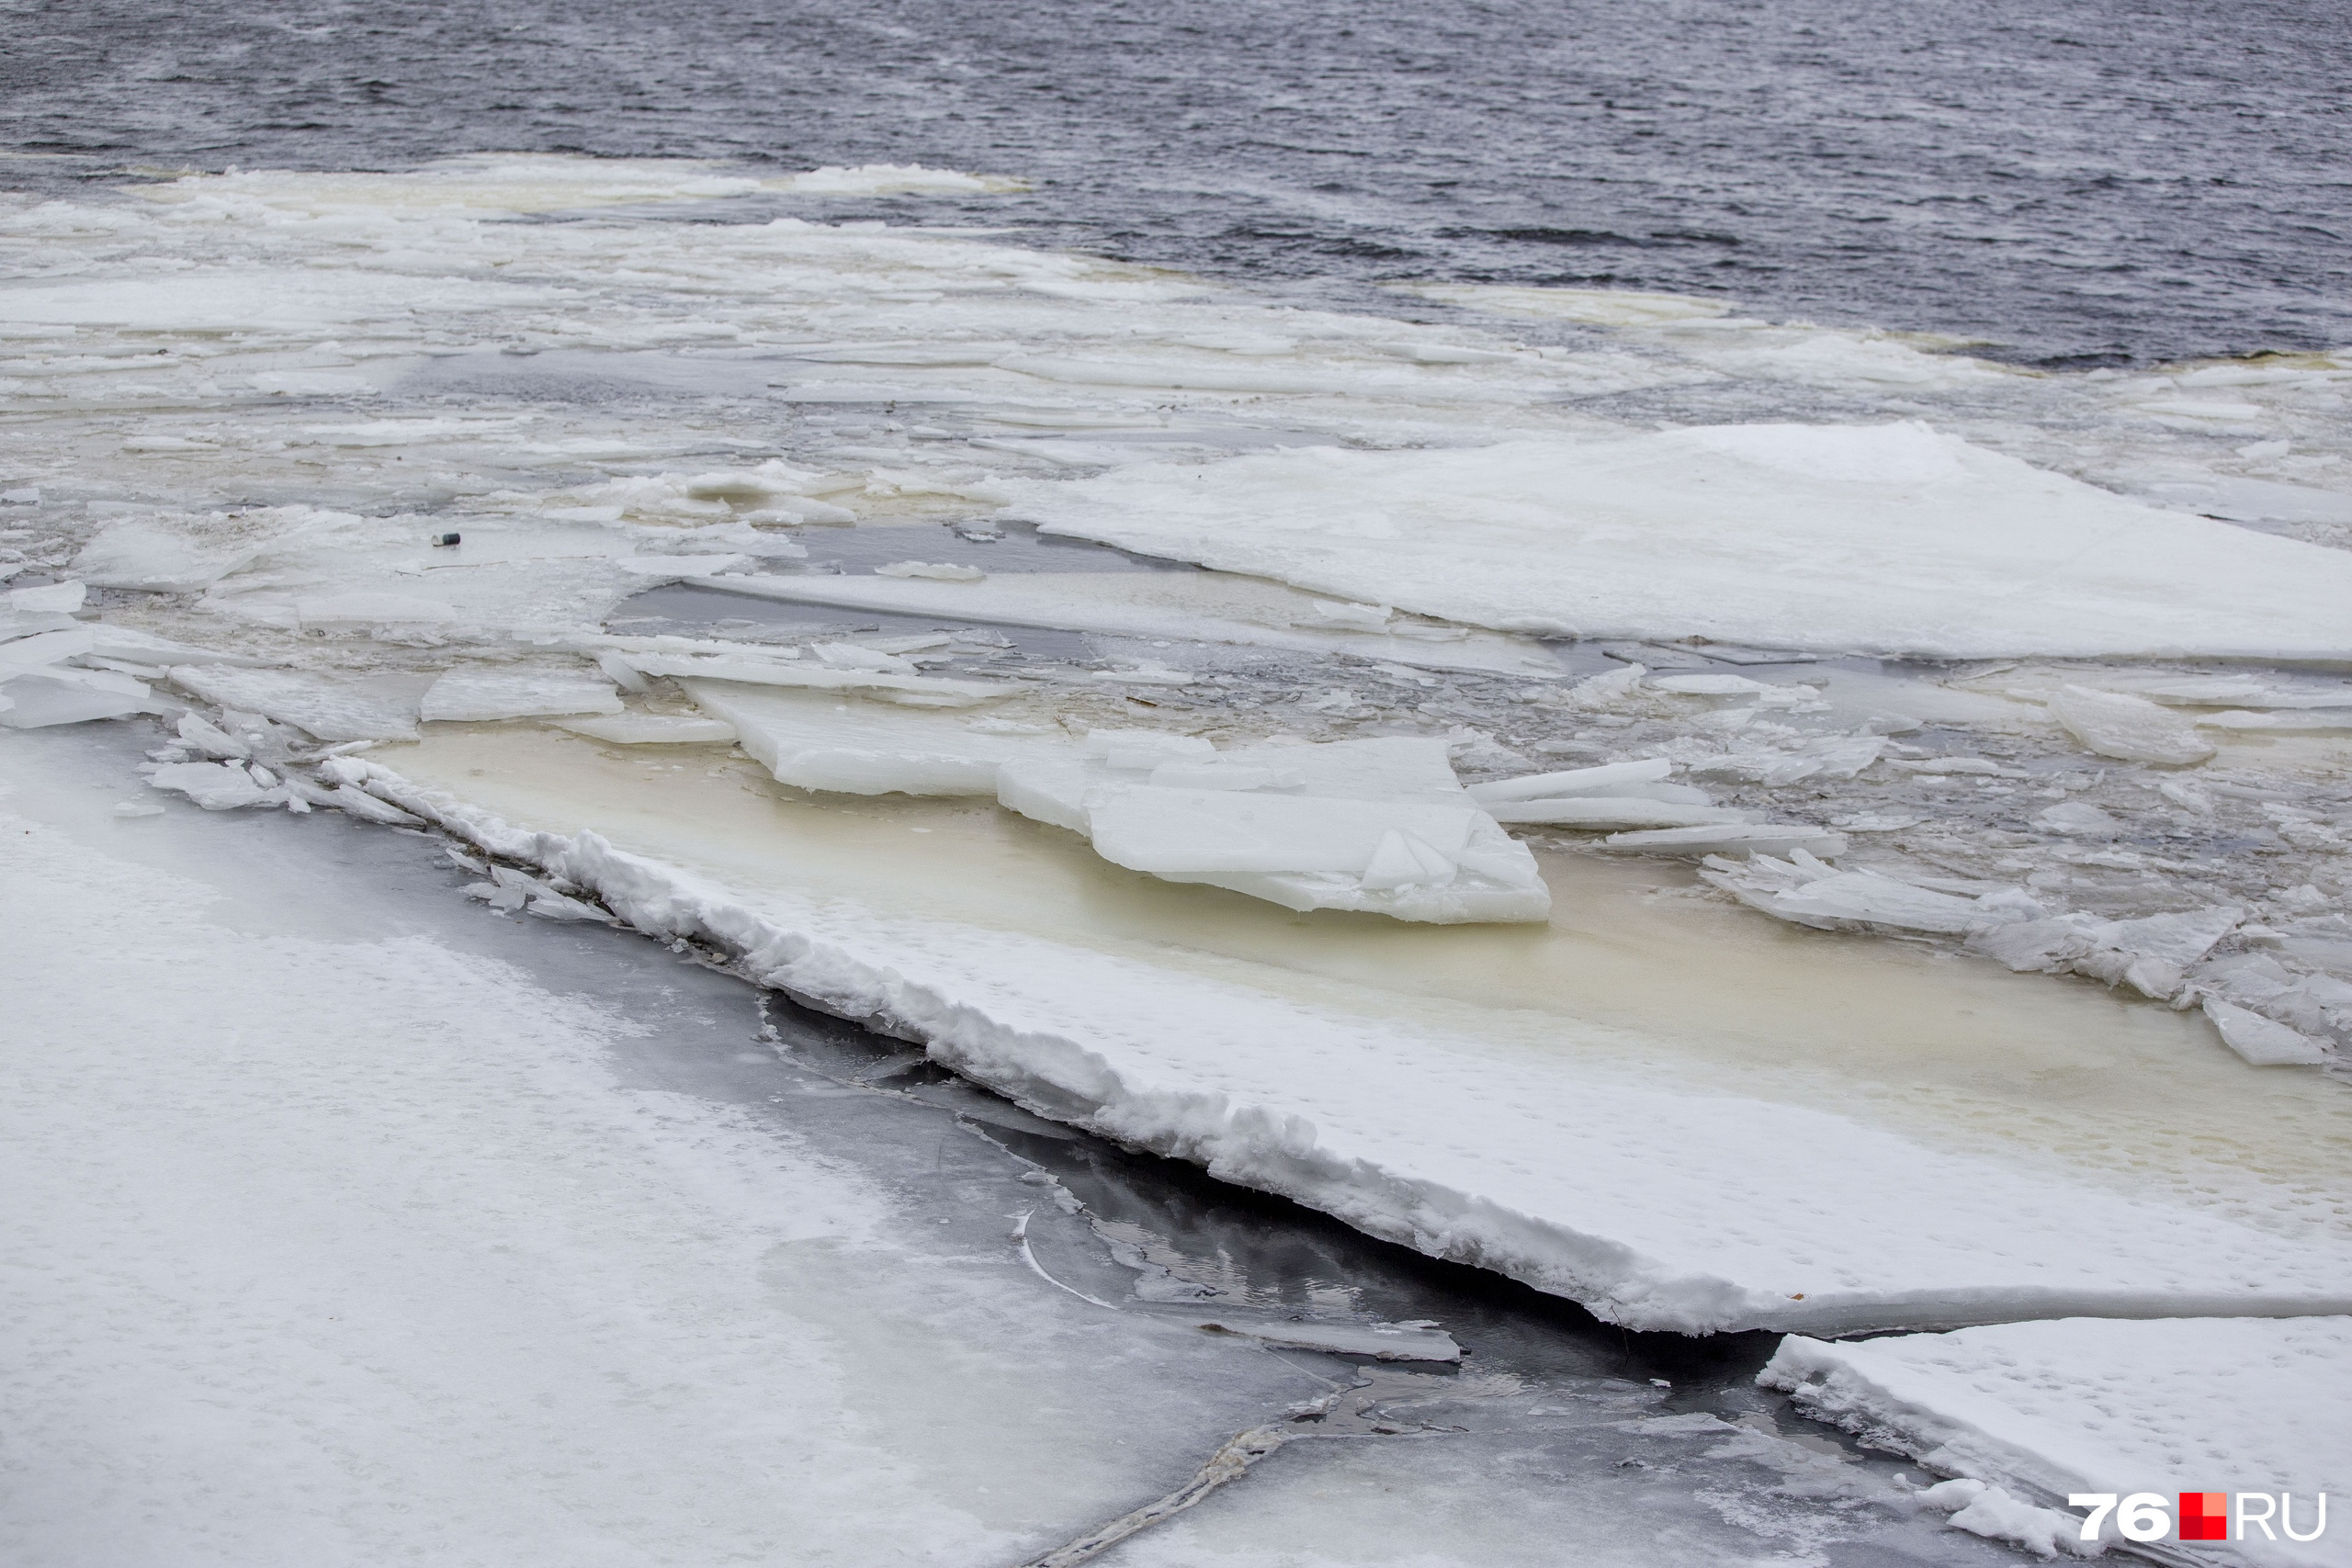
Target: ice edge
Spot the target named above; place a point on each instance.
(1062, 1080)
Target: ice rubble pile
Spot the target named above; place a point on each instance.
(2191, 1403)
(57, 668)
(2266, 1013)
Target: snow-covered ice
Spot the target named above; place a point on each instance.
(1655, 1101)
(514, 1218)
(1886, 538)
(2100, 1405)
(1401, 1126)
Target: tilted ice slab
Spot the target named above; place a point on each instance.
(331, 709)
(484, 695)
(1887, 539)
(819, 741)
(2090, 1405)
(1654, 1204)
(1187, 607)
(1377, 826)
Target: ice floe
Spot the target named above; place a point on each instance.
(1377, 826)
(2116, 724)
(819, 742)
(2180, 1406)
(478, 695)
(1889, 539)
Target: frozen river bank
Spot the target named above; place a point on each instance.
(533, 1241)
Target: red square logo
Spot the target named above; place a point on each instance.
(2204, 1516)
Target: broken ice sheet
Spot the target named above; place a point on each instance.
(1891, 538)
(1380, 825)
(2115, 724)
(823, 741)
(334, 708)
(2184, 1401)
(477, 695)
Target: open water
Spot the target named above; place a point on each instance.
(2070, 182)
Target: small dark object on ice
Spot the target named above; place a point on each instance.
(443, 541)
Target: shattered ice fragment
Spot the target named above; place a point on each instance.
(1403, 860)
(2079, 818)
(1382, 1342)
(216, 786)
(1708, 683)
(2263, 1041)
(128, 808)
(652, 729)
(56, 599)
(145, 558)
(331, 708)
(2132, 729)
(1380, 825)
(1143, 749)
(683, 566)
(480, 696)
(941, 571)
(827, 741)
(1358, 617)
(1601, 690)
(1593, 813)
(200, 734)
(1735, 839)
(1808, 893)
(850, 656)
(2299, 721)
(44, 648)
(924, 690)
(61, 695)
(371, 609)
(356, 802)
(2149, 954)
(1572, 782)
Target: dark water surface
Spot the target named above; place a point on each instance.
(2076, 181)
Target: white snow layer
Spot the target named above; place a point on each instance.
(1654, 1204)
(344, 1246)
(1889, 538)
(2092, 1405)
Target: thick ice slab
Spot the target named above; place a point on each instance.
(480, 694)
(2085, 1404)
(1573, 1165)
(820, 741)
(1380, 825)
(1887, 539)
